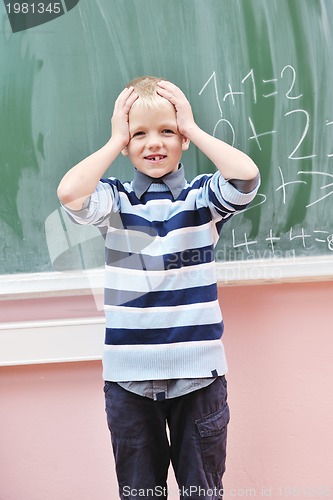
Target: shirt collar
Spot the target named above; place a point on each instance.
(175, 182)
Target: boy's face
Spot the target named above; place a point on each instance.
(156, 146)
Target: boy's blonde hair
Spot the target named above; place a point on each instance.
(145, 86)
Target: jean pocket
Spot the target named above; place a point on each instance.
(106, 386)
(213, 439)
(123, 415)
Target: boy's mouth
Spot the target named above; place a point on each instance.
(155, 157)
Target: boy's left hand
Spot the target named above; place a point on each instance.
(175, 96)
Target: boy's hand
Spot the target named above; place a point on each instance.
(175, 96)
(119, 121)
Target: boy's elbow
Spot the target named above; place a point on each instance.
(249, 181)
(253, 179)
(252, 171)
(70, 199)
(64, 195)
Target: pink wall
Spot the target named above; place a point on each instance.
(279, 345)
(54, 444)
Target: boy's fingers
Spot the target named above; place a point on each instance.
(168, 95)
(170, 91)
(124, 94)
(130, 101)
(126, 98)
(170, 87)
(166, 84)
(133, 97)
(165, 93)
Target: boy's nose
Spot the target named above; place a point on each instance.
(154, 142)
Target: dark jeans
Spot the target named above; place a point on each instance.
(197, 449)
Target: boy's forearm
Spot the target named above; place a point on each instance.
(231, 162)
(81, 180)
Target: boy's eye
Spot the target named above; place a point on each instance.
(168, 131)
(139, 132)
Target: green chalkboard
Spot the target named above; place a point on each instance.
(259, 74)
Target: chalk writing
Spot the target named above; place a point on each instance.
(284, 184)
(289, 67)
(245, 243)
(231, 94)
(213, 77)
(296, 237)
(256, 136)
(272, 239)
(270, 81)
(305, 131)
(322, 187)
(249, 92)
(254, 88)
(223, 120)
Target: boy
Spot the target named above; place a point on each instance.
(163, 357)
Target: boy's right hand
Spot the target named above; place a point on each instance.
(119, 121)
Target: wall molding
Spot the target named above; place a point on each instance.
(81, 339)
(52, 341)
(234, 273)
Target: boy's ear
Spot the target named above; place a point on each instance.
(186, 143)
(124, 151)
